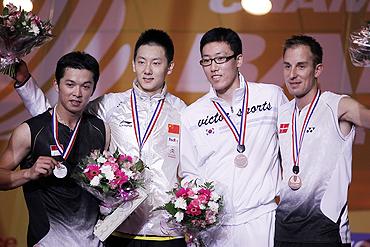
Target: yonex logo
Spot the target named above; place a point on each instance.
(310, 129)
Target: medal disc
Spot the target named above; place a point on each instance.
(61, 171)
(295, 182)
(241, 161)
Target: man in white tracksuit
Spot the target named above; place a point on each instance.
(230, 136)
(316, 133)
(145, 122)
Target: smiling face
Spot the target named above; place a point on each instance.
(223, 77)
(75, 89)
(300, 73)
(151, 68)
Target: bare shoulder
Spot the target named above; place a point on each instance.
(347, 105)
(352, 111)
(22, 134)
(18, 147)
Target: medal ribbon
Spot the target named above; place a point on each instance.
(239, 136)
(297, 146)
(71, 141)
(153, 120)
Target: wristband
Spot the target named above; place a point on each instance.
(18, 84)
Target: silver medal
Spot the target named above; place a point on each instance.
(295, 182)
(241, 161)
(61, 171)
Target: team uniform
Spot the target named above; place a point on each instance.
(61, 213)
(317, 212)
(208, 150)
(160, 152)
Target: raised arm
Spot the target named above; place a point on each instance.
(18, 147)
(352, 111)
(30, 93)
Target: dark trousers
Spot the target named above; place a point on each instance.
(114, 241)
(290, 244)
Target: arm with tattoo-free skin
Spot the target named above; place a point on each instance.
(352, 112)
(18, 148)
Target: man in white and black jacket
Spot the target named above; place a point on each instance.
(230, 136)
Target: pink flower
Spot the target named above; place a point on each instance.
(205, 192)
(203, 198)
(111, 159)
(113, 165)
(193, 208)
(184, 192)
(120, 179)
(210, 217)
(181, 193)
(91, 171)
(125, 158)
(126, 161)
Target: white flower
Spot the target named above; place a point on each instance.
(101, 159)
(180, 203)
(179, 216)
(95, 181)
(202, 206)
(215, 196)
(35, 29)
(108, 172)
(196, 189)
(213, 206)
(128, 173)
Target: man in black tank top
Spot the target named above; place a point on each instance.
(48, 147)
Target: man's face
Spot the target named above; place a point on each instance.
(299, 71)
(75, 89)
(221, 76)
(151, 68)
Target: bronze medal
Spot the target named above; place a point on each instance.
(295, 182)
(241, 161)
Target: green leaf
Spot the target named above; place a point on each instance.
(105, 187)
(116, 154)
(170, 208)
(139, 165)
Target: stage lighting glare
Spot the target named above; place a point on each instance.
(24, 4)
(257, 7)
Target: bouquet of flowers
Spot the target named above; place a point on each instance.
(20, 31)
(112, 178)
(359, 49)
(196, 209)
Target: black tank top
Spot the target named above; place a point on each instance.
(60, 210)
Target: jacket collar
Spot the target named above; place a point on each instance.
(145, 96)
(237, 94)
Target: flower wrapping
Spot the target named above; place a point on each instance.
(112, 178)
(196, 209)
(20, 32)
(359, 49)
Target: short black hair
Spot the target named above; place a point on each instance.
(221, 34)
(306, 40)
(77, 60)
(156, 37)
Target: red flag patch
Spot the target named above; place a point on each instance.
(54, 150)
(173, 128)
(283, 128)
